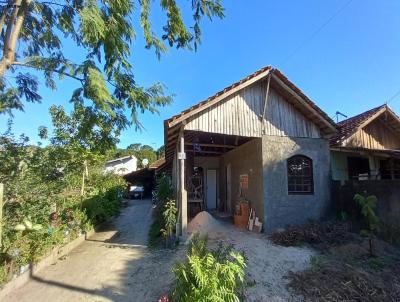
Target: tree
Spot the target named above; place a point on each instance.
(32, 37)
(134, 147)
(368, 206)
(161, 152)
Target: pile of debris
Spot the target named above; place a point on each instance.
(322, 234)
(245, 217)
(337, 281)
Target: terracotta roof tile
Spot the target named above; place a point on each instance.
(349, 126)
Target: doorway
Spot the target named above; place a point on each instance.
(228, 189)
(211, 189)
(357, 166)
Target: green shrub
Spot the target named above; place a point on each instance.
(163, 193)
(208, 275)
(368, 206)
(163, 188)
(71, 214)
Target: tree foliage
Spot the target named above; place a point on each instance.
(139, 151)
(43, 202)
(33, 33)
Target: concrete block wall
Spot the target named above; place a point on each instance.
(245, 159)
(282, 209)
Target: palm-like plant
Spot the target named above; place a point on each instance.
(368, 206)
(207, 277)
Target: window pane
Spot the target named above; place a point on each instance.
(300, 175)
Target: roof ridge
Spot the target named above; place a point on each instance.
(373, 110)
(220, 92)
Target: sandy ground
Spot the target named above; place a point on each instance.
(267, 264)
(113, 265)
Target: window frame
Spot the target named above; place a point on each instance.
(302, 178)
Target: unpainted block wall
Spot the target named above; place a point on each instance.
(282, 209)
(387, 192)
(245, 159)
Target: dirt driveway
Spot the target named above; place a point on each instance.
(115, 264)
(112, 265)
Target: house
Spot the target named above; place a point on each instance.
(367, 146)
(261, 140)
(145, 177)
(122, 165)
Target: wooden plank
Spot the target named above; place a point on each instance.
(205, 152)
(304, 103)
(219, 98)
(211, 145)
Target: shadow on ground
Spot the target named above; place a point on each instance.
(112, 265)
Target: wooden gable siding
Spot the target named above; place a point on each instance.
(374, 136)
(240, 114)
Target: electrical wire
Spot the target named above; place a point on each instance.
(316, 32)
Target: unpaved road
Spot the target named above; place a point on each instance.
(115, 265)
(112, 265)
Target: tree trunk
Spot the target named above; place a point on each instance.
(14, 25)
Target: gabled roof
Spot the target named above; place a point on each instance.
(112, 161)
(350, 126)
(158, 163)
(262, 73)
(278, 81)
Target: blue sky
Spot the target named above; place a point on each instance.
(351, 65)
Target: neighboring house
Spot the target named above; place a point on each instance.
(367, 146)
(145, 177)
(121, 166)
(260, 139)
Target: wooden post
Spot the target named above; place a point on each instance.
(183, 195)
(1, 213)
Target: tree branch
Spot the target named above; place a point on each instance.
(17, 63)
(4, 15)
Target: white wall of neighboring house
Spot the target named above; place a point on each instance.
(121, 166)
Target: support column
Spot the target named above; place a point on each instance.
(182, 190)
(372, 168)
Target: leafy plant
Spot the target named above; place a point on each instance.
(208, 275)
(169, 215)
(368, 206)
(163, 188)
(163, 193)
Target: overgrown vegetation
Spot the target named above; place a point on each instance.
(51, 197)
(209, 275)
(163, 194)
